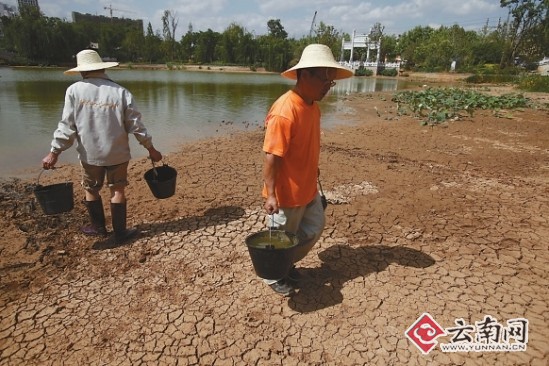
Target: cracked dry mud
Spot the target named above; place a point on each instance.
(450, 220)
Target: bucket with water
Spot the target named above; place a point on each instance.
(54, 198)
(272, 253)
(161, 181)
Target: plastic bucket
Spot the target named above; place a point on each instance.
(55, 198)
(161, 181)
(272, 253)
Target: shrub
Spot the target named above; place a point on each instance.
(362, 71)
(389, 72)
(534, 83)
(491, 78)
(487, 69)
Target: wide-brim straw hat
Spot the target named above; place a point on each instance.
(318, 55)
(89, 60)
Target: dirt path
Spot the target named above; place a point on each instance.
(450, 220)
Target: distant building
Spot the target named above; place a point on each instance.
(136, 24)
(6, 10)
(23, 3)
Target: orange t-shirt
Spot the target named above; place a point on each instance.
(293, 133)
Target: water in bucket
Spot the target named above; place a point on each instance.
(276, 239)
(272, 253)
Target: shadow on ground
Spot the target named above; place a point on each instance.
(321, 287)
(211, 217)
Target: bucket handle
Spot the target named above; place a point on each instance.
(154, 169)
(322, 196)
(40, 174)
(320, 186)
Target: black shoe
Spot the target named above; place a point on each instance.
(294, 275)
(282, 287)
(97, 219)
(92, 230)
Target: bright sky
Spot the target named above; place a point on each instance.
(296, 16)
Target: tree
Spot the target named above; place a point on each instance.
(169, 27)
(61, 41)
(389, 48)
(86, 32)
(206, 45)
(439, 50)
(133, 45)
(376, 33)
(188, 44)
(275, 52)
(329, 36)
(151, 49)
(27, 33)
(110, 40)
(230, 46)
(486, 46)
(528, 30)
(276, 29)
(412, 45)
(39, 39)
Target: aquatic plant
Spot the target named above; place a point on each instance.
(436, 105)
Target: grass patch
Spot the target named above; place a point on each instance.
(492, 79)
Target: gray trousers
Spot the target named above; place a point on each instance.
(307, 222)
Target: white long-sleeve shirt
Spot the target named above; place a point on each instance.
(99, 114)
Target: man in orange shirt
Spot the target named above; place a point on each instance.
(292, 148)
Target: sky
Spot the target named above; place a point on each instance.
(296, 16)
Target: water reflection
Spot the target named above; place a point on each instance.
(365, 85)
(177, 106)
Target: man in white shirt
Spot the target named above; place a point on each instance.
(99, 115)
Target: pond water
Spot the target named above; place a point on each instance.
(177, 107)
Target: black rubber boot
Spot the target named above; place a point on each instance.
(121, 233)
(97, 219)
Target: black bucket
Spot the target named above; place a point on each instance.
(55, 198)
(271, 252)
(161, 181)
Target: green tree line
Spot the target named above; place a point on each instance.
(36, 39)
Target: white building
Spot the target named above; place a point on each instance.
(364, 41)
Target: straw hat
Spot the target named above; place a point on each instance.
(318, 55)
(89, 60)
